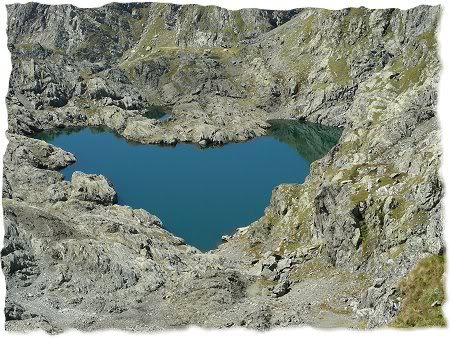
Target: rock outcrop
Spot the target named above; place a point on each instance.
(93, 188)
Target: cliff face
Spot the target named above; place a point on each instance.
(367, 213)
(105, 33)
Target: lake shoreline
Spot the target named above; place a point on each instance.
(192, 224)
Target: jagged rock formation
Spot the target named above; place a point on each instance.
(329, 252)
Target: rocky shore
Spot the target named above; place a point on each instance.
(331, 252)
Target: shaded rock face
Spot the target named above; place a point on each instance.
(312, 141)
(329, 252)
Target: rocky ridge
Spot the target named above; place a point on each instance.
(329, 252)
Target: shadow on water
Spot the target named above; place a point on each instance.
(161, 113)
(311, 140)
(50, 135)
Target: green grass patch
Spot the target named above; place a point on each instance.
(301, 67)
(365, 239)
(255, 249)
(422, 288)
(307, 28)
(339, 70)
(410, 77)
(320, 86)
(238, 21)
(429, 38)
(361, 196)
(137, 26)
(399, 211)
(328, 308)
(354, 12)
(310, 269)
(385, 180)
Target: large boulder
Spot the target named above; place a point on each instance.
(92, 188)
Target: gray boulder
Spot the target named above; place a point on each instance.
(92, 188)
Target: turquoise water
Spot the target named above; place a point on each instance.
(199, 194)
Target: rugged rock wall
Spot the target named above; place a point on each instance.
(329, 252)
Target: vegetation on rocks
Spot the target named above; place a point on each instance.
(327, 252)
(423, 295)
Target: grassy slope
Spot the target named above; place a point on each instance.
(423, 293)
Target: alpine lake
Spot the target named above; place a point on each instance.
(199, 193)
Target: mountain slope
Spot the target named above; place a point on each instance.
(329, 252)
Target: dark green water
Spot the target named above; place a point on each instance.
(158, 113)
(199, 194)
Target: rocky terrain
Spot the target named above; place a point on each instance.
(344, 249)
